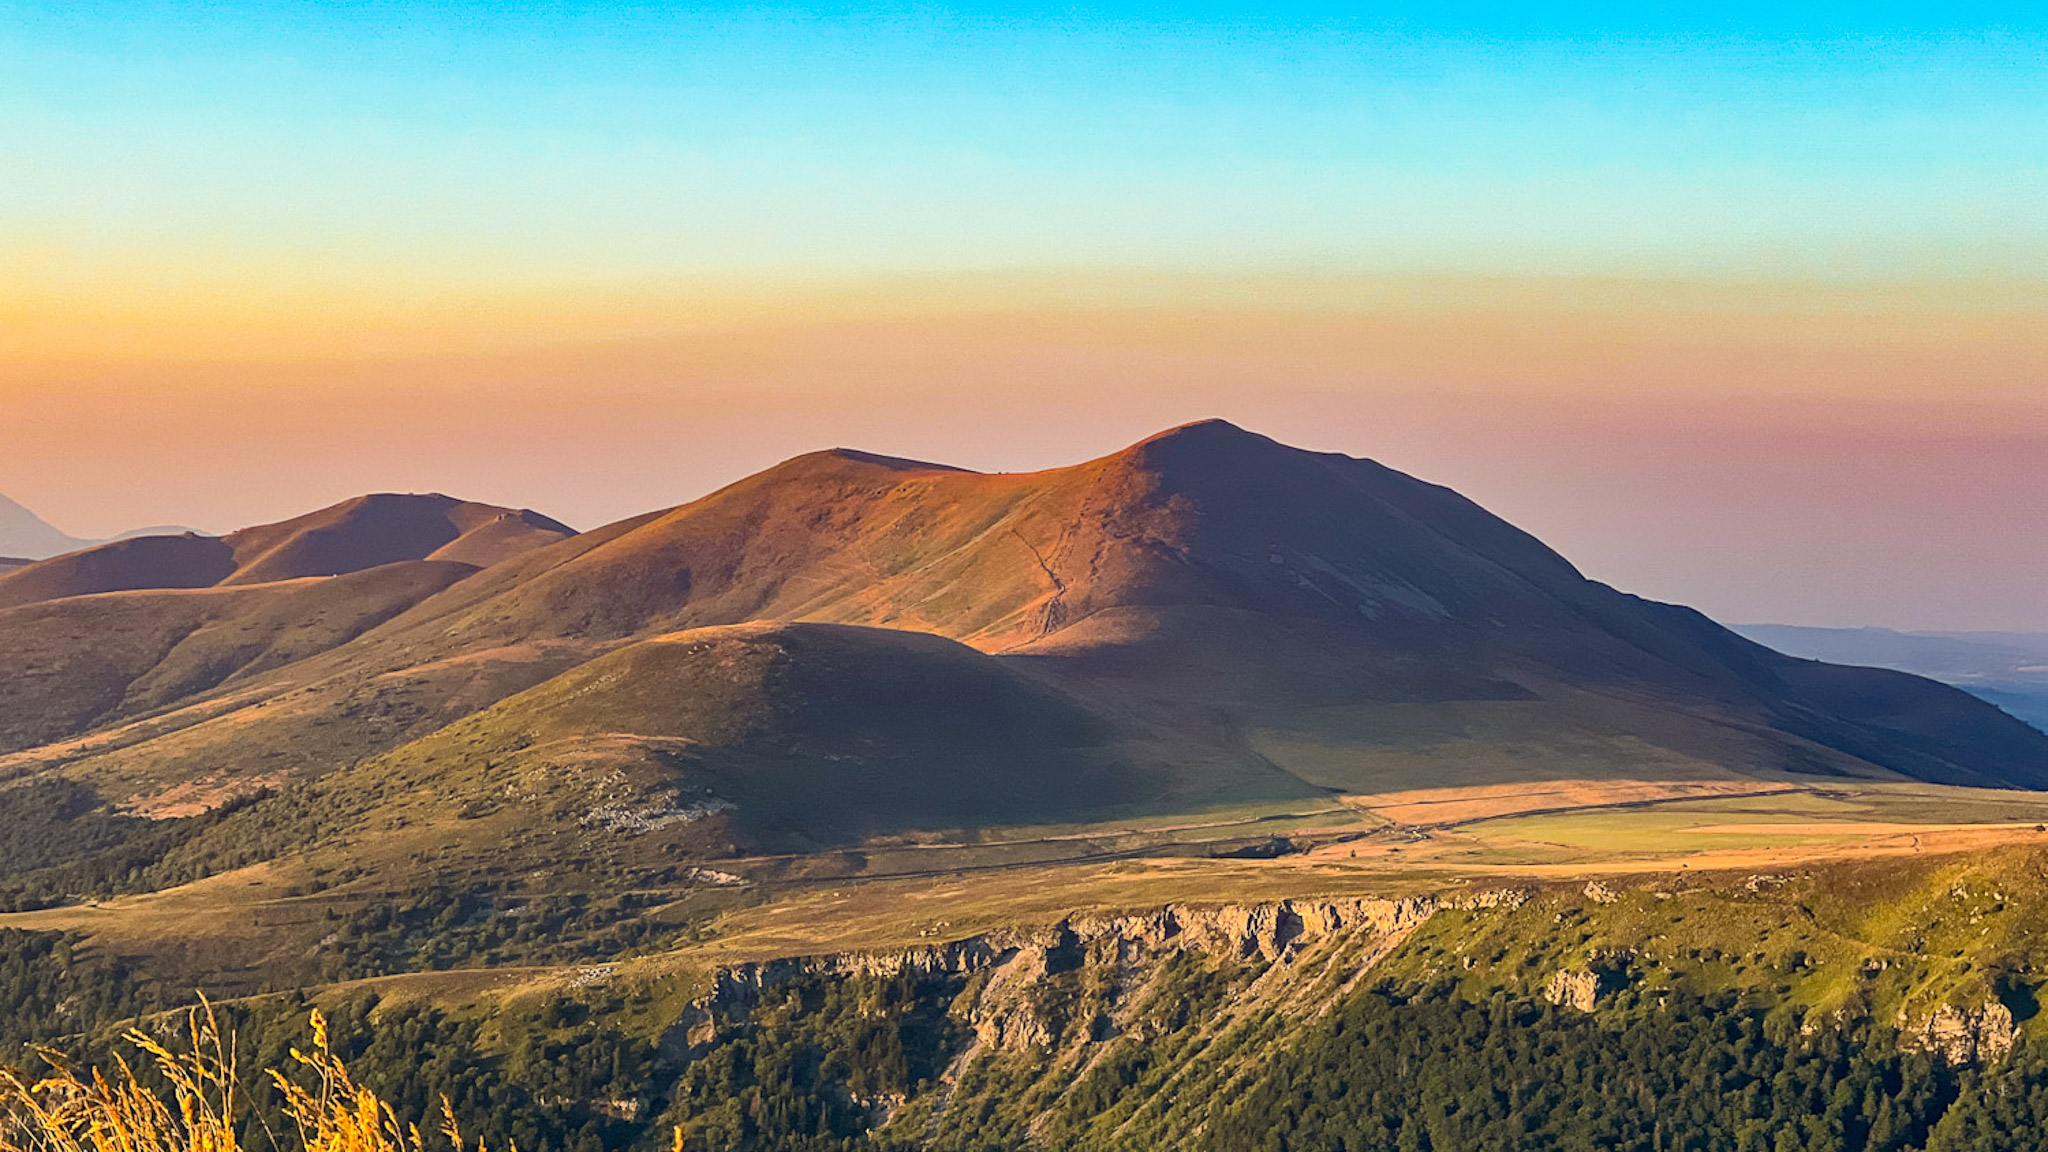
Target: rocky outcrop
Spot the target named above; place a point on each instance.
(1266, 931)
(1961, 1037)
(1580, 989)
(1004, 1012)
(1605, 972)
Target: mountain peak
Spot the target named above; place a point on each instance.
(359, 533)
(1212, 448)
(837, 457)
(379, 528)
(1212, 426)
(1213, 434)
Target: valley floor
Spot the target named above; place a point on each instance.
(229, 929)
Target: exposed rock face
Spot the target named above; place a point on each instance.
(1004, 1012)
(1962, 1037)
(1574, 989)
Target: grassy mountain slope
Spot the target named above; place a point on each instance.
(748, 738)
(84, 662)
(2009, 669)
(190, 561)
(1289, 581)
(349, 537)
(1267, 620)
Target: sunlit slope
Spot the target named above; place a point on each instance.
(358, 534)
(1264, 607)
(1212, 576)
(1207, 515)
(83, 662)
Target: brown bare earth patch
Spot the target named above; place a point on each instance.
(193, 797)
(1442, 807)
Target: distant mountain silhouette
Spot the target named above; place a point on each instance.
(26, 536)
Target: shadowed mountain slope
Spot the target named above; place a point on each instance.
(780, 737)
(1260, 617)
(349, 537)
(2009, 669)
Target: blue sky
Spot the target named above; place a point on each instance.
(1741, 306)
(619, 141)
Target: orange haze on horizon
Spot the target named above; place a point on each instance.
(1830, 455)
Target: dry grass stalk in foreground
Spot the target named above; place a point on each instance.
(69, 1111)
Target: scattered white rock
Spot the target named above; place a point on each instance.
(1962, 1037)
(621, 818)
(1573, 989)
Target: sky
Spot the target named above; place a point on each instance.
(1744, 307)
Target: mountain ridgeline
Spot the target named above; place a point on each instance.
(848, 646)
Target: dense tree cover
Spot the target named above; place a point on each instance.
(549, 1083)
(818, 1064)
(821, 1065)
(52, 986)
(54, 821)
(836, 1064)
(63, 845)
(444, 928)
(1434, 1071)
(2004, 1109)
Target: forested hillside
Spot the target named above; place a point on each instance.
(1767, 1013)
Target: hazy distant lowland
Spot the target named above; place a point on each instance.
(2010, 669)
